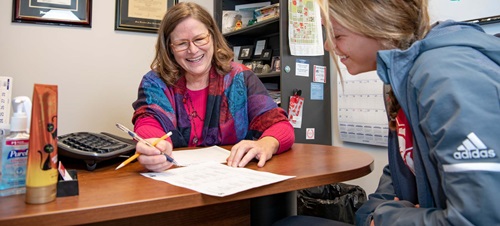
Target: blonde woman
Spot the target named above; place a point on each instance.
(443, 98)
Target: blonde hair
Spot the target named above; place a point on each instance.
(164, 62)
(394, 23)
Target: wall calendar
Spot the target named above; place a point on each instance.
(361, 111)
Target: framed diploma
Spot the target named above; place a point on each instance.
(141, 16)
(55, 12)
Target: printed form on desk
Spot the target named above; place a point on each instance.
(199, 155)
(210, 177)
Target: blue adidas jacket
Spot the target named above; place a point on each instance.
(448, 85)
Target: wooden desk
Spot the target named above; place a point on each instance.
(119, 197)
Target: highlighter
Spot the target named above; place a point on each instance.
(41, 169)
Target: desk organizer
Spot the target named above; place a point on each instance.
(68, 187)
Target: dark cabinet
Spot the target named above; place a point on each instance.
(316, 113)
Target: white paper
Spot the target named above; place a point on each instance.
(212, 178)
(60, 14)
(304, 28)
(319, 74)
(259, 46)
(310, 133)
(201, 155)
(302, 68)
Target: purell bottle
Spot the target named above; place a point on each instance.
(15, 149)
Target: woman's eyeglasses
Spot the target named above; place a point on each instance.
(198, 42)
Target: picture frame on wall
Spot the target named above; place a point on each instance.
(245, 53)
(51, 12)
(141, 16)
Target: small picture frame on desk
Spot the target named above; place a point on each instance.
(141, 16)
(245, 53)
(266, 54)
(260, 45)
(65, 13)
(276, 64)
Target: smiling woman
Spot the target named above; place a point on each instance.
(357, 52)
(204, 98)
(189, 44)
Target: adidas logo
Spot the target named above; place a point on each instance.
(473, 148)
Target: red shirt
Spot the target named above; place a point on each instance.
(405, 139)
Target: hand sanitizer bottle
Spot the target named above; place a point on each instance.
(15, 149)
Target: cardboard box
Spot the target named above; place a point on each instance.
(267, 12)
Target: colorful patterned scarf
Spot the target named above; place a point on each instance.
(238, 107)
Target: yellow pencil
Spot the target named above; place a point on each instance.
(133, 157)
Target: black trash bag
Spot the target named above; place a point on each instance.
(337, 201)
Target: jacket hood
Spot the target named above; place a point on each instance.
(393, 66)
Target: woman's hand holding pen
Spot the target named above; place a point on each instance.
(153, 158)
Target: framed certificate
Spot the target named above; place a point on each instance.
(55, 12)
(141, 16)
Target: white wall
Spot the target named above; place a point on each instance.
(463, 9)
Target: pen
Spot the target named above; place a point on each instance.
(133, 157)
(139, 139)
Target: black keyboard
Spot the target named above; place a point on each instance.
(94, 147)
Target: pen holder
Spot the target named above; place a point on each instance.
(68, 187)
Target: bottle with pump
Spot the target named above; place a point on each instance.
(15, 149)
